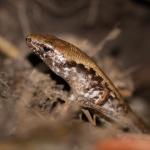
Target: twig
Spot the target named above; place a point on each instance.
(112, 35)
(8, 48)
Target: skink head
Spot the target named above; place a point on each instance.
(46, 43)
(41, 44)
(48, 47)
(51, 48)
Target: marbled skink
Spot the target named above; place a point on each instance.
(88, 82)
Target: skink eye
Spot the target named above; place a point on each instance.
(46, 49)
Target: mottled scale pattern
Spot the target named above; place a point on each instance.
(85, 82)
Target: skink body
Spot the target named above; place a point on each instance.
(86, 78)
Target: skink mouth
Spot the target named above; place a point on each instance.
(28, 39)
(34, 47)
(29, 43)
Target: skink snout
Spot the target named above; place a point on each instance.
(30, 43)
(28, 39)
